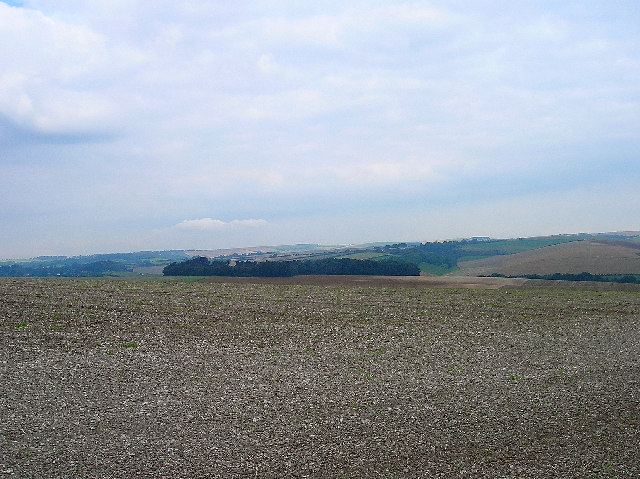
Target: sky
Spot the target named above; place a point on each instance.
(148, 125)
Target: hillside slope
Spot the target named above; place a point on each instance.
(596, 257)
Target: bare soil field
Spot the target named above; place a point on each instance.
(466, 282)
(177, 379)
(575, 257)
(381, 281)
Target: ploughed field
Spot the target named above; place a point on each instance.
(165, 378)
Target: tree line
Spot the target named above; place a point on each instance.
(201, 266)
(444, 254)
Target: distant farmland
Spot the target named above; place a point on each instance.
(575, 257)
(607, 253)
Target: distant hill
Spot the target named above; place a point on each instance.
(110, 264)
(616, 253)
(596, 256)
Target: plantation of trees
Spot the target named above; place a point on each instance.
(201, 266)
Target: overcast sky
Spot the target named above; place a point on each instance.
(134, 125)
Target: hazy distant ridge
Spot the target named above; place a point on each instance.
(600, 253)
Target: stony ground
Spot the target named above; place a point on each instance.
(168, 379)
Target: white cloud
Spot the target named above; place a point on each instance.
(42, 60)
(322, 30)
(268, 109)
(392, 172)
(267, 64)
(205, 224)
(60, 77)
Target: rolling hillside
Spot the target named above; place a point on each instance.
(615, 253)
(592, 256)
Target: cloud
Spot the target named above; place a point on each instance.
(57, 76)
(152, 112)
(206, 224)
(382, 173)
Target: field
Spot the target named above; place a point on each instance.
(178, 379)
(594, 257)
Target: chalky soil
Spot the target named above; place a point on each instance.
(124, 378)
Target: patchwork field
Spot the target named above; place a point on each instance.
(594, 257)
(176, 379)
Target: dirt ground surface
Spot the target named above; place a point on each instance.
(178, 379)
(380, 281)
(465, 282)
